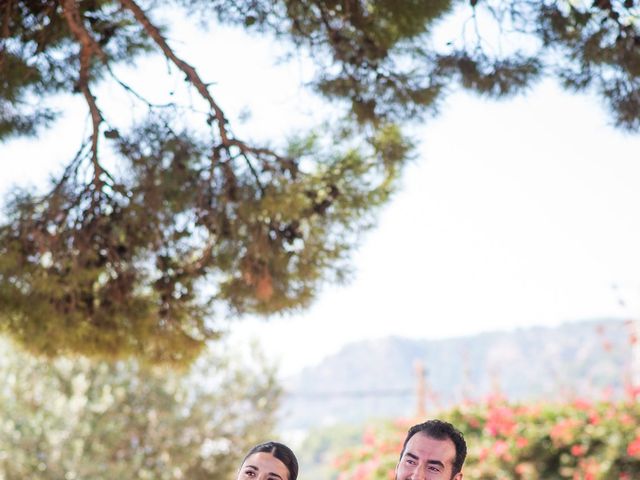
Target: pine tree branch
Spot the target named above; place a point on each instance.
(136, 94)
(88, 49)
(6, 20)
(199, 84)
(71, 169)
(187, 69)
(5, 30)
(260, 153)
(254, 172)
(41, 35)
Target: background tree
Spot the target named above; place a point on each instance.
(76, 419)
(202, 221)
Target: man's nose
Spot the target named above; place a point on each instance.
(419, 474)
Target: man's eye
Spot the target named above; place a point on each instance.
(410, 461)
(433, 468)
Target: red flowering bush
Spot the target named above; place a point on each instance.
(577, 441)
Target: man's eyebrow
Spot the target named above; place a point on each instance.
(429, 462)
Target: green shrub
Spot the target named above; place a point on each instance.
(581, 440)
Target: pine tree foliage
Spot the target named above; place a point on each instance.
(604, 43)
(140, 261)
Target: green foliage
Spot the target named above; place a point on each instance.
(204, 224)
(494, 78)
(23, 123)
(39, 56)
(369, 41)
(75, 419)
(115, 271)
(138, 264)
(598, 441)
(603, 41)
(322, 445)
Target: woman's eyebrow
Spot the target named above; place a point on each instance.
(271, 474)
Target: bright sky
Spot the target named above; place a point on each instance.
(515, 213)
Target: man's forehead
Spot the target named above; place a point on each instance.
(426, 447)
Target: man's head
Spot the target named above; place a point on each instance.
(432, 450)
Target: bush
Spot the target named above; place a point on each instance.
(581, 440)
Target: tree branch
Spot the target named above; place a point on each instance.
(187, 69)
(6, 19)
(71, 169)
(133, 92)
(254, 173)
(5, 29)
(88, 49)
(192, 76)
(255, 150)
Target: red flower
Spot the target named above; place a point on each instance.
(562, 432)
(581, 404)
(626, 419)
(501, 449)
(473, 422)
(368, 437)
(501, 421)
(483, 454)
(588, 469)
(632, 391)
(634, 448)
(578, 450)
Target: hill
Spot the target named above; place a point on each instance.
(377, 378)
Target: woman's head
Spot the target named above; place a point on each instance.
(269, 461)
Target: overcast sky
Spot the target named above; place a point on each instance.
(515, 213)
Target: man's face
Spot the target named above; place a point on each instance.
(426, 458)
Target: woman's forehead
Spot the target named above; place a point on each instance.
(266, 462)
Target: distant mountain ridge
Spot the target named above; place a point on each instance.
(377, 378)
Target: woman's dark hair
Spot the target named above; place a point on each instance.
(281, 452)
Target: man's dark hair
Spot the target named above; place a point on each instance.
(281, 452)
(440, 430)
